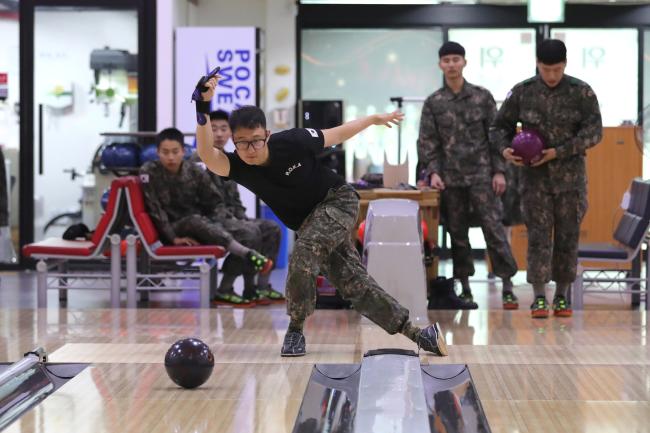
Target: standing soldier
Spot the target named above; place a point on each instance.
(564, 110)
(458, 159)
(231, 213)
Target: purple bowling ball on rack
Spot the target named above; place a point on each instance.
(528, 145)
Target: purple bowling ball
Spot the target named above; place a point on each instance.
(189, 362)
(528, 145)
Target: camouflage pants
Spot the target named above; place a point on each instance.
(263, 233)
(553, 223)
(488, 210)
(208, 232)
(324, 245)
(270, 237)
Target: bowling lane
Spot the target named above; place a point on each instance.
(585, 374)
(141, 398)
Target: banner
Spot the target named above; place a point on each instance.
(198, 51)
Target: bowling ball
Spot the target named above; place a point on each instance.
(107, 157)
(361, 231)
(124, 245)
(120, 155)
(126, 155)
(528, 145)
(104, 200)
(425, 230)
(149, 153)
(189, 362)
(189, 150)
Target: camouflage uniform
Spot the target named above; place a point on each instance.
(183, 205)
(231, 213)
(554, 195)
(454, 143)
(4, 200)
(324, 244)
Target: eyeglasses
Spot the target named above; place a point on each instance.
(257, 144)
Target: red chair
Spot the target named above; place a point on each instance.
(155, 251)
(59, 252)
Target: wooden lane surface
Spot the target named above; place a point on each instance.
(585, 374)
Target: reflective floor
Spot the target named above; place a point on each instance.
(589, 373)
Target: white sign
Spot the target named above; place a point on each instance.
(201, 49)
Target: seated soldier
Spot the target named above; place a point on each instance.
(232, 214)
(180, 199)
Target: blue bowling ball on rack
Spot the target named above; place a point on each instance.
(106, 158)
(127, 155)
(149, 153)
(104, 200)
(118, 155)
(189, 150)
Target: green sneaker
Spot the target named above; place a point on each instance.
(561, 307)
(510, 301)
(256, 298)
(260, 263)
(271, 294)
(539, 308)
(231, 299)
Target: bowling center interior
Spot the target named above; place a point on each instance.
(332, 216)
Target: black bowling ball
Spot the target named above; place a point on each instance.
(189, 362)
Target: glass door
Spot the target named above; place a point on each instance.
(9, 133)
(85, 84)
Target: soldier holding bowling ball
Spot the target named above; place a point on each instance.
(563, 112)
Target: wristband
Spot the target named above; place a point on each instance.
(202, 107)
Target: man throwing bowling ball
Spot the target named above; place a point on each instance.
(283, 170)
(564, 110)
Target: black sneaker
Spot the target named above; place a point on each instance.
(294, 344)
(432, 340)
(466, 296)
(510, 301)
(561, 307)
(539, 308)
(450, 302)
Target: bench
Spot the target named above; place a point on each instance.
(630, 234)
(59, 253)
(182, 257)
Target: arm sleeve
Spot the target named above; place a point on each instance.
(155, 208)
(591, 127)
(429, 146)
(504, 125)
(496, 158)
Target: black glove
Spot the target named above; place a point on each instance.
(203, 107)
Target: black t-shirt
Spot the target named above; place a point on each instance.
(295, 181)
